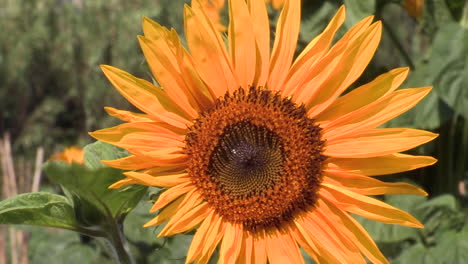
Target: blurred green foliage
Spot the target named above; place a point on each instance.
(53, 92)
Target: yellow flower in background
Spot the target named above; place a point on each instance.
(414, 7)
(70, 155)
(260, 152)
(277, 4)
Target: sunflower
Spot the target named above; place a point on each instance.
(259, 153)
(71, 154)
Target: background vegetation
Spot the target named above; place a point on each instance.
(52, 93)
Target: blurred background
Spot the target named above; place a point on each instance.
(52, 93)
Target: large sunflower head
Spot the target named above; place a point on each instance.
(259, 151)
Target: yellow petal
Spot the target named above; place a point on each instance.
(159, 48)
(321, 70)
(315, 50)
(259, 254)
(367, 207)
(191, 200)
(365, 94)
(242, 46)
(131, 162)
(351, 228)
(231, 245)
(127, 116)
(261, 27)
(159, 181)
(320, 242)
(187, 221)
(208, 51)
(122, 183)
(387, 164)
(281, 248)
(212, 239)
(377, 142)
(145, 96)
(369, 186)
(198, 239)
(139, 136)
(170, 195)
(374, 114)
(287, 32)
(351, 65)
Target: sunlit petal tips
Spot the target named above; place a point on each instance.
(259, 152)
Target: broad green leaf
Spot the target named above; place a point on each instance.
(452, 246)
(43, 209)
(89, 188)
(97, 151)
(416, 254)
(446, 200)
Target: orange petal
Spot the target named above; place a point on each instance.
(246, 252)
(127, 116)
(121, 183)
(323, 68)
(160, 52)
(231, 245)
(241, 40)
(377, 142)
(287, 32)
(139, 136)
(327, 224)
(208, 51)
(320, 242)
(261, 27)
(388, 164)
(315, 50)
(352, 229)
(187, 221)
(374, 114)
(309, 247)
(369, 186)
(365, 94)
(351, 65)
(145, 96)
(191, 200)
(170, 195)
(198, 239)
(367, 207)
(159, 181)
(166, 213)
(131, 162)
(212, 239)
(282, 248)
(164, 157)
(259, 254)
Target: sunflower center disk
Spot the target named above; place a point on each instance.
(256, 158)
(247, 160)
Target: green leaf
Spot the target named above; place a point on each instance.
(89, 188)
(97, 151)
(43, 209)
(452, 246)
(357, 10)
(416, 254)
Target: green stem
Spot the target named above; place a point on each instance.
(119, 246)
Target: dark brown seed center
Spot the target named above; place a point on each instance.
(247, 160)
